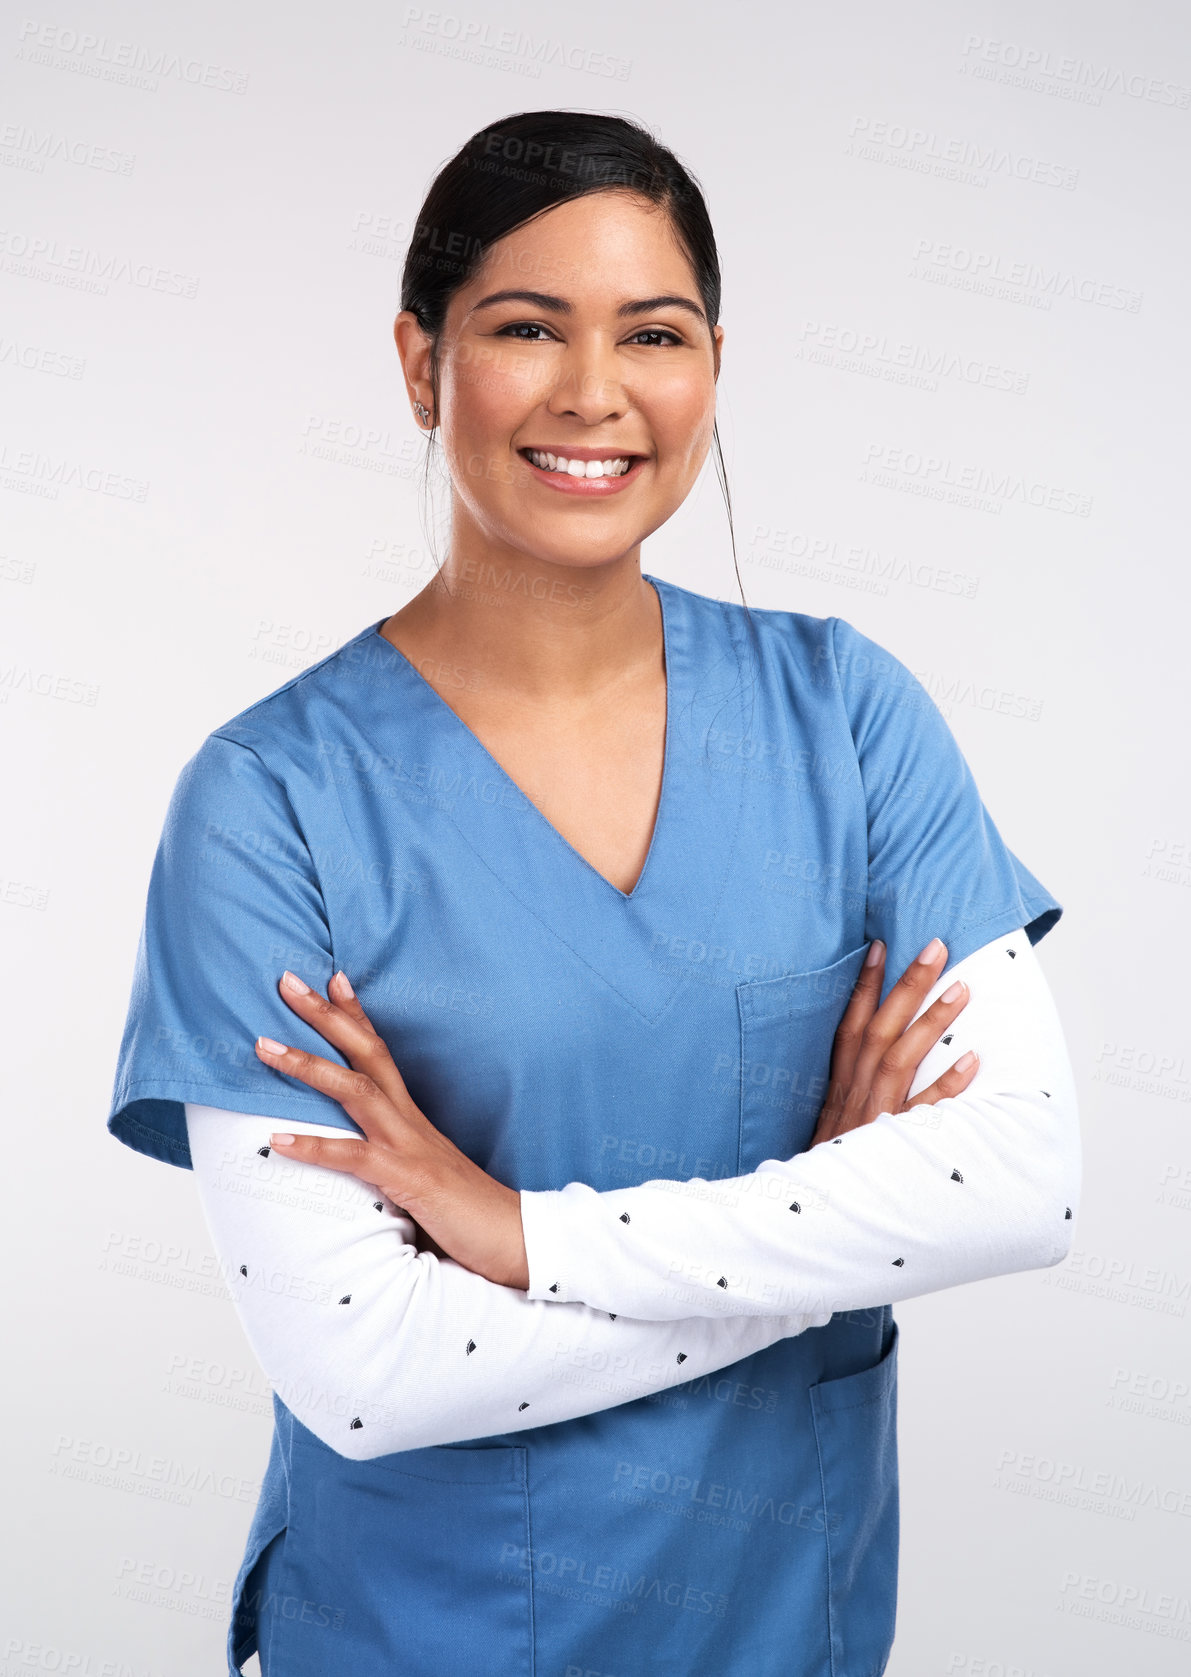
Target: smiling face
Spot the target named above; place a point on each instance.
(581, 340)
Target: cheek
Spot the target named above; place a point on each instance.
(490, 385)
(476, 425)
(682, 425)
(478, 472)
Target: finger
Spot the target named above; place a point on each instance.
(351, 1155)
(342, 994)
(953, 1081)
(898, 1065)
(898, 1008)
(866, 994)
(834, 1126)
(360, 1097)
(830, 1115)
(839, 1120)
(348, 1028)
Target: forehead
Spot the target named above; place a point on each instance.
(602, 248)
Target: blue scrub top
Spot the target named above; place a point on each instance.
(559, 1029)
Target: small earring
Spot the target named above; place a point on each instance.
(423, 413)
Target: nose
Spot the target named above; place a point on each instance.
(589, 386)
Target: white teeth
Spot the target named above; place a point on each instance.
(615, 467)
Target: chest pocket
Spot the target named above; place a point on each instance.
(787, 1026)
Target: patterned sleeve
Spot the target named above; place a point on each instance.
(984, 1183)
(377, 1347)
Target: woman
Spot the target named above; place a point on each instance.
(570, 1259)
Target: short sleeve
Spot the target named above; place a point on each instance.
(937, 866)
(234, 899)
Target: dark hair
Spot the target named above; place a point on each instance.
(524, 164)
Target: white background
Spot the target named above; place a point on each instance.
(994, 192)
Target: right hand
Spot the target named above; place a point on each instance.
(877, 1050)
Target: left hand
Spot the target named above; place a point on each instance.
(468, 1215)
(877, 1050)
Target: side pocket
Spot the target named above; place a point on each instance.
(787, 1025)
(417, 1562)
(856, 1437)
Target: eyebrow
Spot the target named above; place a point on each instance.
(559, 305)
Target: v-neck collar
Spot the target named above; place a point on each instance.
(645, 944)
(436, 699)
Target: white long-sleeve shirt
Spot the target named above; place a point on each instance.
(378, 1348)
(984, 1183)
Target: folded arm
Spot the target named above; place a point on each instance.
(981, 1184)
(377, 1347)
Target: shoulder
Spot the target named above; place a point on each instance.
(286, 717)
(828, 651)
(253, 770)
(285, 736)
(778, 634)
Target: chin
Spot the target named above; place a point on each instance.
(566, 552)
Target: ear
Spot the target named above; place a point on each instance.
(413, 348)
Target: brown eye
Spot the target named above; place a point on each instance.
(515, 327)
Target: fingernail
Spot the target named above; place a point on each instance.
(955, 992)
(294, 983)
(932, 951)
(269, 1046)
(281, 1140)
(343, 983)
(875, 950)
(965, 1060)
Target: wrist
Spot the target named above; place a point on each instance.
(516, 1261)
(469, 1214)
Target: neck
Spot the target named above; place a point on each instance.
(532, 628)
